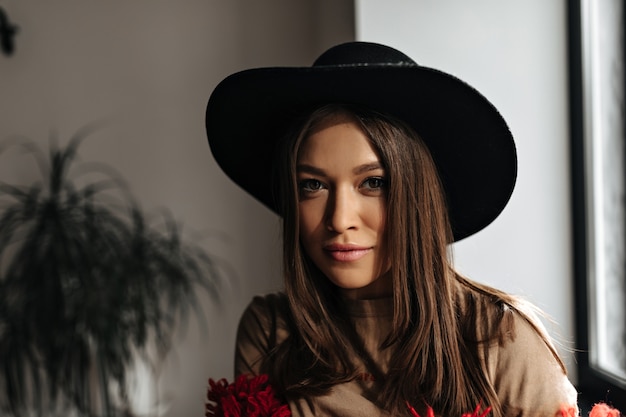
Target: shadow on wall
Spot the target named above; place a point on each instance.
(7, 33)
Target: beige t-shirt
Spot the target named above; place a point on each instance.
(526, 376)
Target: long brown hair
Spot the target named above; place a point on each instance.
(438, 343)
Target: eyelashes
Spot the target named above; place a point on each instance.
(370, 185)
(375, 183)
(310, 185)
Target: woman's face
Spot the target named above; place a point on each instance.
(342, 202)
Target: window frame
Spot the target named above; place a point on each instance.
(593, 384)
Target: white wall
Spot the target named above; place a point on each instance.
(514, 52)
(147, 68)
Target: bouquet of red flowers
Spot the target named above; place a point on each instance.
(255, 397)
(246, 397)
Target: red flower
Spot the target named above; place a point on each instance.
(431, 413)
(477, 412)
(603, 410)
(246, 397)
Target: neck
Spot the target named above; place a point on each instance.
(380, 288)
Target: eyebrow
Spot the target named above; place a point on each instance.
(373, 166)
(309, 169)
(313, 170)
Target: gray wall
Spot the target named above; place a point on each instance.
(146, 68)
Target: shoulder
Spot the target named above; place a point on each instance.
(263, 325)
(526, 371)
(496, 317)
(521, 361)
(528, 375)
(265, 314)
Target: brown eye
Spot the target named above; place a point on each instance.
(374, 183)
(310, 185)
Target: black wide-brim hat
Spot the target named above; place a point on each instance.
(471, 144)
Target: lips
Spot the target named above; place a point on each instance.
(346, 253)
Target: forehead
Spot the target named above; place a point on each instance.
(338, 140)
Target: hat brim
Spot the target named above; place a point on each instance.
(470, 142)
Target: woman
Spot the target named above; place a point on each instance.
(379, 165)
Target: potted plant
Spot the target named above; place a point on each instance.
(87, 282)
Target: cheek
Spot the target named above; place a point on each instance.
(311, 213)
(375, 217)
(310, 221)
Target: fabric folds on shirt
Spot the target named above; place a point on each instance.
(527, 378)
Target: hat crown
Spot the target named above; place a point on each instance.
(362, 53)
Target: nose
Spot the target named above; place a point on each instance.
(342, 210)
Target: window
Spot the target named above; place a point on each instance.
(597, 85)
